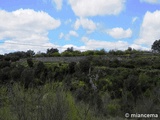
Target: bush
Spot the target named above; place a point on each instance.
(113, 108)
(30, 62)
(27, 77)
(4, 64)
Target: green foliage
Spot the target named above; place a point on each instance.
(156, 46)
(52, 50)
(5, 75)
(4, 64)
(100, 52)
(98, 87)
(30, 62)
(113, 109)
(71, 52)
(67, 54)
(39, 68)
(15, 74)
(73, 113)
(46, 103)
(69, 49)
(71, 67)
(56, 54)
(84, 65)
(30, 53)
(88, 53)
(27, 77)
(5, 114)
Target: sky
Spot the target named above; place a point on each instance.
(82, 24)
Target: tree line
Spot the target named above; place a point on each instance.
(54, 52)
(69, 52)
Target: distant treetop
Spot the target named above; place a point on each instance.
(156, 46)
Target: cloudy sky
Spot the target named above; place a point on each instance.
(83, 24)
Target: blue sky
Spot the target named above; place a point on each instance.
(82, 24)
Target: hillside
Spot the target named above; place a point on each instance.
(93, 87)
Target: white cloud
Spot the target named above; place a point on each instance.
(25, 26)
(150, 28)
(119, 33)
(73, 33)
(68, 35)
(80, 48)
(68, 21)
(84, 8)
(85, 23)
(58, 4)
(134, 19)
(138, 47)
(61, 35)
(95, 44)
(11, 46)
(151, 1)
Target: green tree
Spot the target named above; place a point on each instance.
(69, 49)
(4, 64)
(52, 50)
(156, 46)
(27, 77)
(5, 75)
(100, 52)
(15, 74)
(88, 52)
(30, 62)
(39, 68)
(30, 53)
(84, 65)
(71, 67)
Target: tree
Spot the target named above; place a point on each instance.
(30, 53)
(5, 75)
(39, 69)
(15, 74)
(4, 64)
(1, 57)
(100, 52)
(52, 50)
(71, 67)
(30, 62)
(84, 65)
(69, 49)
(88, 52)
(27, 77)
(156, 46)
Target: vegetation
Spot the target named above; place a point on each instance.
(105, 85)
(156, 46)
